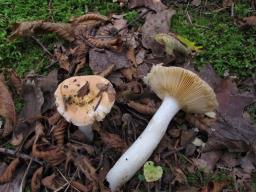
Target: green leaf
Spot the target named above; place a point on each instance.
(171, 44)
(151, 172)
(191, 45)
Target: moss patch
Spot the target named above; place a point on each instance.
(226, 47)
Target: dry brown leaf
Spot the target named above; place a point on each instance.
(109, 43)
(215, 186)
(54, 118)
(227, 3)
(59, 130)
(131, 56)
(36, 180)
(62, 56)
(48, 86)
(88, 17)
(155, 5)
(179, 176)
(247, 22)
(54, 155)
(200, 121)
(113, 141)
(52, 182)
(7, 110)
(16, 81)
(29, 28)
(16, 183)
(8, 173)
(79, 56)
(100, 61)
(33, 99)
(107, 71)
(142, 108)
(231, 131)
(129, 73)
(81, 187)
(156, 23)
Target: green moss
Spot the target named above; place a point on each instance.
(226, 47)
(25, 54)
(199, 178)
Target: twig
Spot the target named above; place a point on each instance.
(232, 10)
(42, 46)
(23, 181)
(21, 155)
(72, 178)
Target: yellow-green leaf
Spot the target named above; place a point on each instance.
(191, 45)
(171, 44)
(152, 172)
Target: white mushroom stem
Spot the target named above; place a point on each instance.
(140, 151)
(88, 132)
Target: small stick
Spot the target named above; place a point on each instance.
(42, 46)
(232, 10)
(21, 155)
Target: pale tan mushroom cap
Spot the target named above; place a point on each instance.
(84, 99)
(188, 89)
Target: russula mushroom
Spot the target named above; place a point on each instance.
(179, 89)
(82, 100)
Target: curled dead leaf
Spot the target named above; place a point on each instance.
(36, 180)
(9, 171)
(142, 108)
(29, 28)
(113, 140)
(7, 110)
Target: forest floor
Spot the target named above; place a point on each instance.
(43, 43)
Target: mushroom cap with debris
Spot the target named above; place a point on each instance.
(82, 100)
(191, 92)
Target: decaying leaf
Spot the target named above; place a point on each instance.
(81, 187)
(8, 173)
(227, 3)
(231, 131)
(16, 183)
(113, 140)
(53, 155)
(36, 180)
(7, 111)
(215, 186)
(100, 61)
(142, 108)
(155, 5)
(247, 22)
(33, 99)
(52, 182)
(152, 172)
(156, 23)
(28, 28)
(171, 44)
(88, 17)
(59, 130)
(191, 45)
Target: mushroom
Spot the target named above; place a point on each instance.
(82, 100)
(179, 89)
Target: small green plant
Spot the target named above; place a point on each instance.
(199, 178)
(131, 17)
(226, 47)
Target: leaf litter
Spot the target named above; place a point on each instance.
(124, 55)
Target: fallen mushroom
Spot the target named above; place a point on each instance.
(179, 89)
(82, 100)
